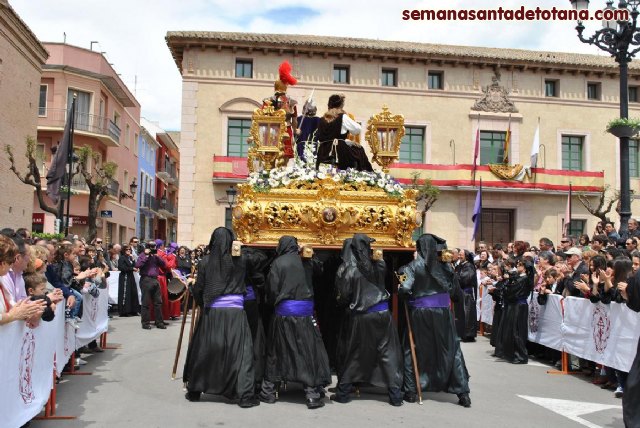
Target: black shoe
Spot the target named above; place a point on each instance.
(191, 395)
(161, 326)
(249, 402)
(314, 403)
(339, 399)
(410, 397)
(464, 400)
(146, 326)
(269, 399)
(519, 362)
(322, 392)
(96, 349)
(396, 403)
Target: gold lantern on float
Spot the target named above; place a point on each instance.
(384, 134)
(268, 129)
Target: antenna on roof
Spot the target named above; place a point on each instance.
(64, 35)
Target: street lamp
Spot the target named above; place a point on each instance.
(615, 37)
(231, 196)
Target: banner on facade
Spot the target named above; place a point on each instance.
(545, 321)
(606, 334)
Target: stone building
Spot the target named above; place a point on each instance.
(449, 96)
(21, 59)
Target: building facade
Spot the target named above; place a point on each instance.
(147, 201)
(21, 59)
(450, 97)
(107, 120)
(167, 185)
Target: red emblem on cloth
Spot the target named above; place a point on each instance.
(93, 313)
(26, 367)
(601, 327)
(534, 315)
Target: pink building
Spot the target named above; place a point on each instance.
(107, 120)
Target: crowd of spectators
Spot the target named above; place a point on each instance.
(595, 267)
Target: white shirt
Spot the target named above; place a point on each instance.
(14, 284)
(350, 125)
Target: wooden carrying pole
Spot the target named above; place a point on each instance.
(414, 360)
(185, 311)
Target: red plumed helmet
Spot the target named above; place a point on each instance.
(285, 73)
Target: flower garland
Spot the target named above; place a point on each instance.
(282, 177)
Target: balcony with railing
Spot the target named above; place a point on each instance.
(149, 203)
(112, 189)
(168, 174)
(168, 209)
(100, 127)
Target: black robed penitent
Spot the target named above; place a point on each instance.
(371, 350)
(464, 306)
(439, 357)
(631, 398)
(295, 351)
(220, 355)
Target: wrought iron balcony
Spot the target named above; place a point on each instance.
(101, 127)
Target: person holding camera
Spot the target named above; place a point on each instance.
(150, 265)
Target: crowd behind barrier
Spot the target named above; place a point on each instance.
(30, 355)
(113, 286)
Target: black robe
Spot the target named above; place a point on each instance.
(498, 298)
(344, 155)
(631, 397)
(295, 351)
(513, 331)
(465, 304)
(257, 263)
(438, 353)
(371, 350)
(220, 355)
(128, 302)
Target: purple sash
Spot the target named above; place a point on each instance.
(228, 301)
(468, 290)
(379, 307)
(295, 308)
(523, 301)
(250, 294)
(440, 300)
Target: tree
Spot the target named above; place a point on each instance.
(427, 192)
(32, 177)
(98, 177)
(604, 203)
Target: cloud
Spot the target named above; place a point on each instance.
(132, 32)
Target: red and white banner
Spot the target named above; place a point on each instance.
(545, 322)
(29, 356)
(606, 334)
(95, 318)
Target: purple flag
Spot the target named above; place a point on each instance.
(477, 213)
(58, 167)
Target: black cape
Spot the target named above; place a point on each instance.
(439, 356)
(220, 355)
(370, 349)
(498, 298)
(295, 351)
(465, 303)
(631, 397)
(513, 331)
(128, 303)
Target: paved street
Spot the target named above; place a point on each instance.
(131, 387)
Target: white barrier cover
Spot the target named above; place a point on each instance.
(606, 334)
(65, 338)
(26, 356)
(486, 305)
(112, 283)
(545, 321)
(95, 318)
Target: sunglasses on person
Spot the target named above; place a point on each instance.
(629, 243)
(564, 242)
(99, 242)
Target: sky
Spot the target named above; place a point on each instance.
(132, 32)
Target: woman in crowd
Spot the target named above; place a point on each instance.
(14, 311)
(583, 242)
(513, 329)
(183, 261)
(496, 272)
(128, 302)
(465, 303)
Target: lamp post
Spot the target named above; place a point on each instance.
(231, 196)
(616, 37)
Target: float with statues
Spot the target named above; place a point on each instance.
(324, 205)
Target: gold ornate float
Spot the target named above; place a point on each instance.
(327, 206)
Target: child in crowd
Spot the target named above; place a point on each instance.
(35, 285)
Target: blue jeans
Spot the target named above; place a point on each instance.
(75, 310)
